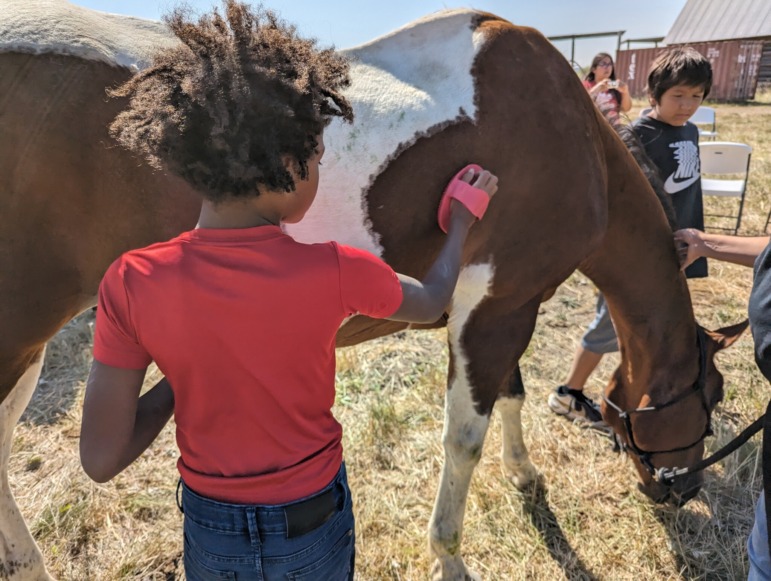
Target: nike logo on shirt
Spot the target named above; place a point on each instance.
(671, 186)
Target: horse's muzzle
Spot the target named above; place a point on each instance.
(676, 494)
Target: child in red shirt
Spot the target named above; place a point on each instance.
(239, 317)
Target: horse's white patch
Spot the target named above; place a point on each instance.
(464, 428)
(516, 461)
(474, 284)
(403, 84)
(16, 544)
(56, 26)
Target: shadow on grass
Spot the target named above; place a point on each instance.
(68, 358)
(50, 402)
(711, 546)
(536, 506)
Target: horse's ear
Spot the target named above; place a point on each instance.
(727, 336)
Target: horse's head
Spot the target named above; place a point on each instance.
(661, 423)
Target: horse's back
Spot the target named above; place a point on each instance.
(461, 87)
(59, 27)
(498, 95)
(455, 87)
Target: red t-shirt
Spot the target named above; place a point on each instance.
(243, 323)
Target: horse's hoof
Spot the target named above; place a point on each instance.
(453, 571)
(523, 475)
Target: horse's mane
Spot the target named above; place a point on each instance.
(635, 147)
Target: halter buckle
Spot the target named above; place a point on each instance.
(665, 476)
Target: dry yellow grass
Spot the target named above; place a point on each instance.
(587, 521)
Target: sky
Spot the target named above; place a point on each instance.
(347, 23)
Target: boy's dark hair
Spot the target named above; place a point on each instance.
(222, 109)
(679, 66)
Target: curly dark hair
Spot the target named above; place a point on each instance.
(222, 109)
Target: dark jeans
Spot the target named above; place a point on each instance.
(265, 543)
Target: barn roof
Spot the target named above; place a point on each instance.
(708, 20)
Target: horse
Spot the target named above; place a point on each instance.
(454, 87)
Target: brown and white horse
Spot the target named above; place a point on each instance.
(452, 88)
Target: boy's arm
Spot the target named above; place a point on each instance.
(424, 301)
(117, 424)
(692, 244)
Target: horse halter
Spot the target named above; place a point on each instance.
(663, 475)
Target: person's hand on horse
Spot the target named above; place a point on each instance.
(483, 180)
(690, 246)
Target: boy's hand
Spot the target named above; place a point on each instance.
(690, 246)
(484, 181)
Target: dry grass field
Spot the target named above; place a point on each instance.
(586, 520)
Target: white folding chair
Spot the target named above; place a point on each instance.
(722, 158)
(705, 116)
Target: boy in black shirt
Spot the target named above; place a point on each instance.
(677, 87)
(678, 83)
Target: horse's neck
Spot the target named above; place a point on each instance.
(636, 269)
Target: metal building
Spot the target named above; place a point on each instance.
(735, 35)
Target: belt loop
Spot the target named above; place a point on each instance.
(179, 496)
(254, 539)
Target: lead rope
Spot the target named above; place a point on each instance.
(668, 475)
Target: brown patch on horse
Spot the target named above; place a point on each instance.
(72, 200)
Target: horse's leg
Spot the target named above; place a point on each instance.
(516, 462)
(20, 557)
(464, 434)
(481, 362)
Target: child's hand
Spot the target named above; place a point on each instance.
(599, 88)
(484, 181)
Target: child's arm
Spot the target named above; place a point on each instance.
(424, 301)
(118, 425)
(692, 244)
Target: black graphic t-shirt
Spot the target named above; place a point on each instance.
(760, 312)
(675, 151)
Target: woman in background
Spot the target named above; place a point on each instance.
(611, 95)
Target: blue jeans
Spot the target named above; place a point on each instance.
(264, 543)
(757, 545)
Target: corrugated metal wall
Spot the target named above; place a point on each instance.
(764, 74)
(735, 67)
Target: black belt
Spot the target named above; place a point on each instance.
(307, 515)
